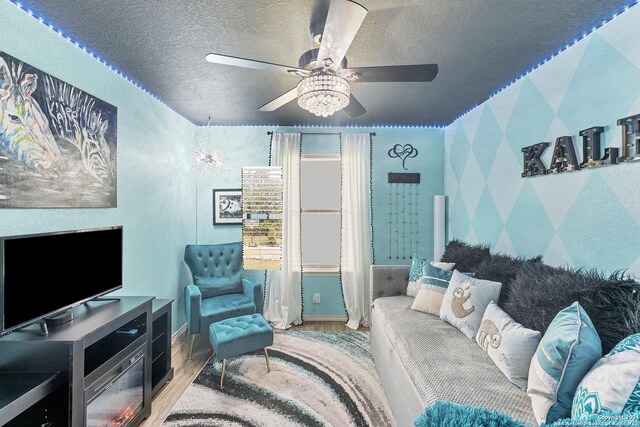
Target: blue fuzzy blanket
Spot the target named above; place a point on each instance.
(448, 414)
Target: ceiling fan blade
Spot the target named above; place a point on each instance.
(343, 21)
(393, 73)
(285, 98)
(216, 58)
(354, 109)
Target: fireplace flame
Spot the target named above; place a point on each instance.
(122, 419)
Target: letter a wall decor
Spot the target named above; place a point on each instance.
(57, 142)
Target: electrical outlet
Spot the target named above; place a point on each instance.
(316, 298)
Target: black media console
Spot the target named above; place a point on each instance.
(161, 370)
(97, 367)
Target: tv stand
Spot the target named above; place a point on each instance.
(48, 379)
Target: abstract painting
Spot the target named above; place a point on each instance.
(57, 142)
(227, 206)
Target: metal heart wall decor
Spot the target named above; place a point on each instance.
(403, 152)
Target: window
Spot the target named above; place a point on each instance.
(262, 218)
(320, 187)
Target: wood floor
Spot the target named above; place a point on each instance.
(186, 370)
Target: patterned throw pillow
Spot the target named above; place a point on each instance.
(418, 265)
(509, 344)
(434, 285)
(465, 301)
(569, 348)
(612, 386)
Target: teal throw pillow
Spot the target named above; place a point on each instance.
(629, 343)
(612, 386)
(436, 276)
(568, 350)
(219, 285)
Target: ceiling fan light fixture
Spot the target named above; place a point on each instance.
(323, 93)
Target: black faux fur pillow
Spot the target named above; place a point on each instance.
(539, 292)
(465, 256)
(502, 268)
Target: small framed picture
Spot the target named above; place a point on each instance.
(227, 206)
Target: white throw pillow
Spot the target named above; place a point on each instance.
(509, 344)
(612, 386)
(466, 300)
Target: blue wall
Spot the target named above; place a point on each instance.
(249, 146)
(588, 218)
(155, 180)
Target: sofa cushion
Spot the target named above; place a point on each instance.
(509, 344)
(465, 256)
(223, 307)
(568, 350)
(443, 364)
(539, 292)
(612, 386)
(465, 301)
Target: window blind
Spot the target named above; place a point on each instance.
(262, 198)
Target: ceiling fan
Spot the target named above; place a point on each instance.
(325, 85)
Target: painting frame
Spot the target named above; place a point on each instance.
(227, 206)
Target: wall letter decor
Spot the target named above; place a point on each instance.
(533, 164)
(591, 151)
(57, 142)
(564, 156)
(630, 138)
(564, 153)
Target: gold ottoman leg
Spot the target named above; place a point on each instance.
(224, 365)
(266, 356)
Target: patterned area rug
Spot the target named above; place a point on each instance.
(316, 379)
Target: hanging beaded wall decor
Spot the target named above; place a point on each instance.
(404, 230)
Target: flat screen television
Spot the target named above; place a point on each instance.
(42, 275)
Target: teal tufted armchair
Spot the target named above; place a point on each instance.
(218, 291)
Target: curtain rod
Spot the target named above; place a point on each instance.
(321, 133)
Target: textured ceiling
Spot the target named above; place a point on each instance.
(479, 46)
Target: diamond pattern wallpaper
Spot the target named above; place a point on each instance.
(588, 218)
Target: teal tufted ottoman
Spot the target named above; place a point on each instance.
(238, 335)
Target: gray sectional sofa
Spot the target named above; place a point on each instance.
(422, 359)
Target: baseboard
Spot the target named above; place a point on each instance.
(177, 333)
(313, 318)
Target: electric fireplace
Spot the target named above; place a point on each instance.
(118, 396)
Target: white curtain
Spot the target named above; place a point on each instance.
(356, 241)
(283, 289)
